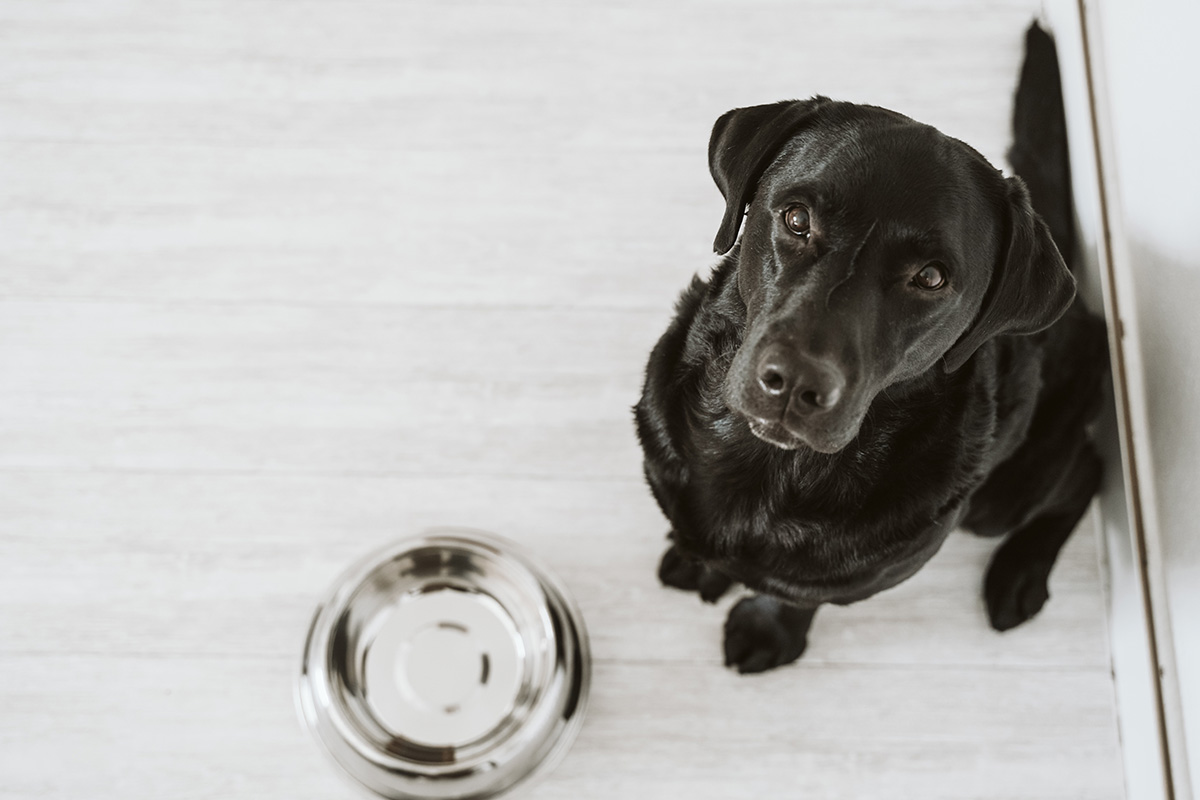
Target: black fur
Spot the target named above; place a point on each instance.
(815, 423)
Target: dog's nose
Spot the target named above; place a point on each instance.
(812, 385)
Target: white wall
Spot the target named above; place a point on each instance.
(1152, 88)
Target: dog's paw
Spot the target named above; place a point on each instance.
(761, 634)
(680, 572)
(1015, 588)
(713, 585)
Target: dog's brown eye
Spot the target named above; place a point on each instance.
(930, 278)
(797, 221)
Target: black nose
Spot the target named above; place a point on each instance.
(812, 385)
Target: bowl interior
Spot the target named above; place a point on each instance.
(442, 652)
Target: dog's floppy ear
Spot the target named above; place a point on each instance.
(742, 145)
(1031, 286)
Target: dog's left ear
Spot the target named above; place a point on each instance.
(1031, 286)
(743, 143)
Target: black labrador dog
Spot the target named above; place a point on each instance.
(891, 350)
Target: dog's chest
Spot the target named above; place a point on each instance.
(805, 525)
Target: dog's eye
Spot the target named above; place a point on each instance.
(797, 221)
(930, 278)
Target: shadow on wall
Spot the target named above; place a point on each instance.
(1169, 327)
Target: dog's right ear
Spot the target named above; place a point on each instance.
(744, 141)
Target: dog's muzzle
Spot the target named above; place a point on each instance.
(792, 399)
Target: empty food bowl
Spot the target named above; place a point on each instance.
(452, 665)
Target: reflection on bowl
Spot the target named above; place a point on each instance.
(448, 666)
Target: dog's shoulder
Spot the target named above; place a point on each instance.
(705, 325)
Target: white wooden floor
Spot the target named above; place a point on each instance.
(281, 281)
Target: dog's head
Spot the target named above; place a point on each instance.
(874, 248)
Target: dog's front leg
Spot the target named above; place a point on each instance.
(1015, 586)
(763, 632)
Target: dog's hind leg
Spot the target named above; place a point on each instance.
(764, 632)
(682, 572)
(1015, 586)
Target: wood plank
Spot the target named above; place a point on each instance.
(335, 388)
(339, 225)
(243, 73)
(403, 153)
(218, 566)
(150, 726)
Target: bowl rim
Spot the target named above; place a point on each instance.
(541, 753)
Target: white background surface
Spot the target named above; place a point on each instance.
(283, 281)
(1152, 78)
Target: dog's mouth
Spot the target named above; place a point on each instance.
(774, 434)
(778, 435)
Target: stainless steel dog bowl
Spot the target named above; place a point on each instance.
(448, 666)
